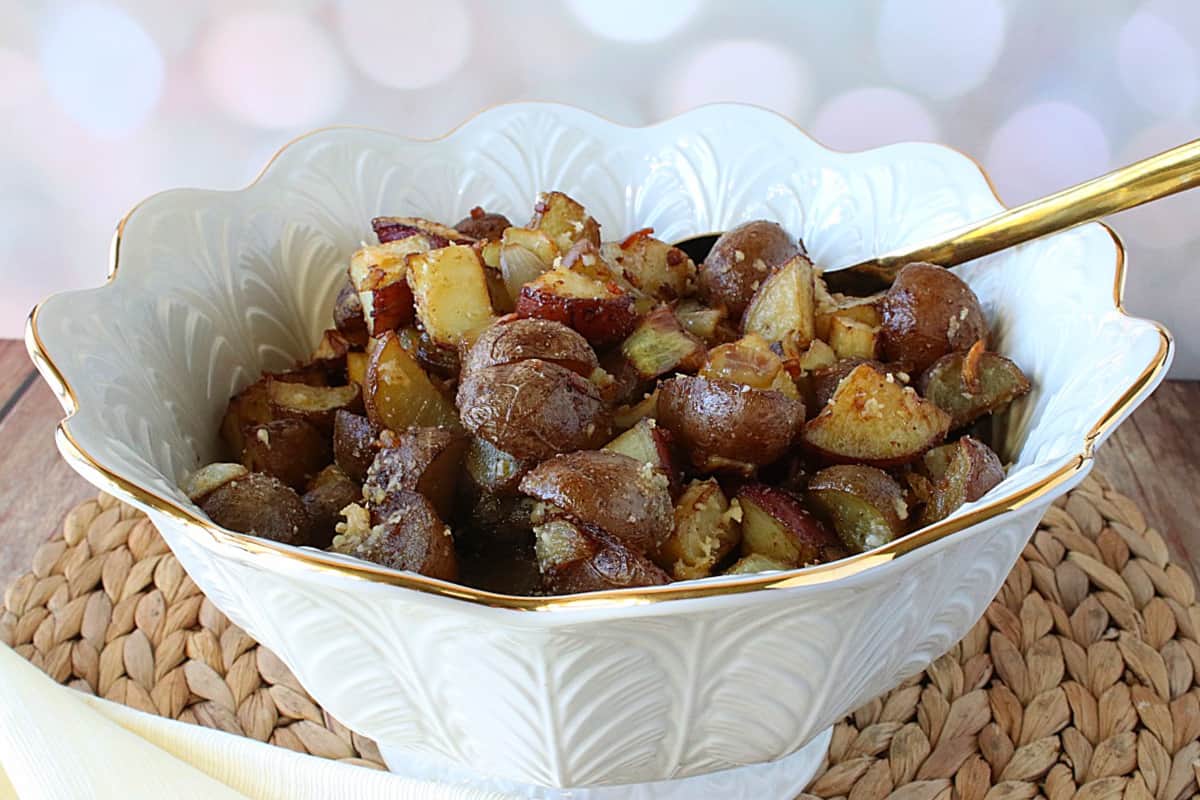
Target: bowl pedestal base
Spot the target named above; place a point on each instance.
(775, 780)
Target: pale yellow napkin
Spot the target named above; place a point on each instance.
(59, 744)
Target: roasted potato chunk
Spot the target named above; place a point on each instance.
(606, 490)
(259, 505)
(574, 558)
(392, 229)
(781, 308)
(512, 339)
(648, 443)
(659, 345)
(211, 477)
(850, 338)
(480, 224)
(740, 261)
(355, 442)
(564, 221)
(602, 313)
(776, 525)
(315, 405)
(424, 460)
(291, 450)
(379, 275)
(348, 315)
(725, 426)
(533, 409)
(705, 532)
(399, 394)
(249, 407)
(328, 493)
(973, 385)
(493, 471)
(859, 309)
(863, 504)
(748, 361)
(407, 534)
(929, 312)
(626, 416)
(451, 294)
(700, 320)
(872, 418)
(960, 473)
(660, 270)
(756, 562)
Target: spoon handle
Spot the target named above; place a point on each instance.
(1172, 171)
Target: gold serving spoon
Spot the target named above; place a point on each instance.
(1172, 171)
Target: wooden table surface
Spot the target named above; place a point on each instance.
(1152, 458)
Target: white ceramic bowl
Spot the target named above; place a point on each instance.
(622, 687)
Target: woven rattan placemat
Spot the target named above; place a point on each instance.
(1080, 682)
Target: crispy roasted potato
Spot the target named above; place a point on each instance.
(781, 308)
(652, 266)
(379, 275)
(491, 470)
(251, 406)
(407, 534)
(564, 221)
(399, 394)
(648, 443)
(740, 261)
(757, 562)
(391, 229)
(961, 472)
(210, 477)
(725, 426)
(291, 450)
(424, 460)
(261, 506)
(929, 312)
(825, 380)
(705, 532)
(659, 345)
(969, 386)
(316, 405)
(748, 361)
(873, 418)
(850, 338)
(328, 493)
(355, 442)
(451, 294)
(480, 224)
(532, 409)
(859, 309)
(511, 339)
(348, 315)
(700, 320)
(610, 491)
(863, 504)
(775, 524)
(602, 313)
(573, 558)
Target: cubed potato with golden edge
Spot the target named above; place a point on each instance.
(408, 535)
(211, 477)
(863, 504)
(451, 294)
(648, 443)
(740, 260)
(316, 405)
(728, 427)
(355, 442)
(328, 493)
(610, 491)
(860, 309)
(564, 220)
(511, 339)
(602, 313)
(756, 562)
(972, 385)
(781, 308)
(850, 338)
(574, 558)
(379, 274)
(532, 409)
(651, 265)
(872, 418)
(291, 450)
(775, 524)
(960, 473)
(928, 312)
(705, 532)
(492, 471)
(659, 345)
(481, 224)
(424, 460)
(700, 320)
(259, 505)
(818, 356)
(399, 394)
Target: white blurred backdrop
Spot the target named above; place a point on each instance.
(105, 101)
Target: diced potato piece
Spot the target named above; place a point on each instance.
(817, 356)
(535, 241)
(699, 320)
(776, 525)
(782, 307)
(424, 460)
(313, 404)
(574, 558)
(211, 477)
(379, 275)
(659, 345)
(850, 338)
(997, 382)
(355, 442)
(649, 444)
(451, 294)
(493, 471)
(602, 313)
(390, 229)
(660, 270)
(409, 536)
(259, 505)
(399, 393)
(288, 449)
(757, 562)
(705, 532)
(961, 472)
(860, 309)
(748, 361)
(864, 505)
(564, 221)
(251, 406)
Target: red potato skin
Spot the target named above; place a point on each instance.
(814, 541)
(513, 339)
(921, 316)
(604, 562)
(393, 307)
(602, 321)
(480, 225)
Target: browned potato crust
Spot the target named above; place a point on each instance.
(928, 312)
(648, 443)
(705, 532)
(424, 460)
(864, 505)
(740, 261)
(328, 493)
(480, 224)
(261, 506)
(532, 409)
(609, 491)
(775, 524)
(652, 266)
(288, 449)
(511, 339)
(725, 426)
(406, 534)
(961, 472)
(355, 441)
(451, 293)
(825, 380)
(602, 313)
(700, 320)
(211, 477)
(574, 558)
(348, 315)
(998, 382)
(316, 405)
(564, 220)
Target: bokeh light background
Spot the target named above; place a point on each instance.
(105, 101)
